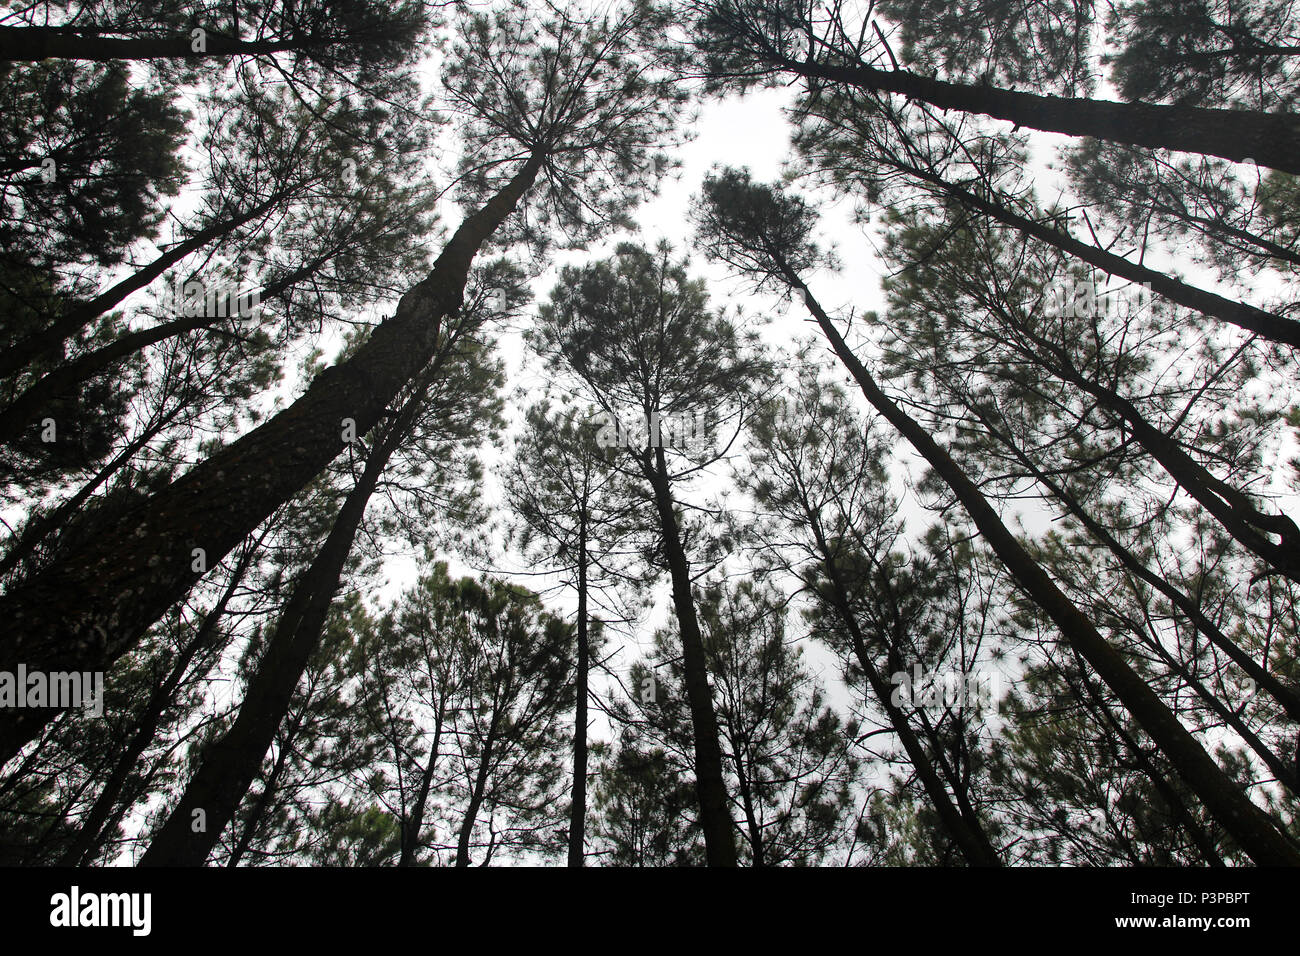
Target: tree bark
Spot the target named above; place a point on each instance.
(26, 407)
(30, 44)
(715, 820)
(82, 849)
(1270, 139)
(231, 763)
(1265, 324)
(93, 606)
(578, 798)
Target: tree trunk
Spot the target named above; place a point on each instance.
(969, 835)
(80, 853)
(269, 788)
(85, 612)
(578, 799)
(475, 799)
(1196, 833)
(1270, 139)
(1233, 509)
(1253, 829)
(412, 825)
(1267, 325)
(230, 764)
(715, 820)
(1286, 696)
(26, 407)
(30, 44)
(46, 343)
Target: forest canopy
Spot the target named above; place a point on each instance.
(434, 434)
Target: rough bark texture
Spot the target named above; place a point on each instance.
(231, 763)
(93, 606)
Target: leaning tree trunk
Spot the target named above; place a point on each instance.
(39, 43)
(715, 820)
(231, 763)
(1253, 829)
(1268, 325)
(1270, 139)
(27, 405)
(45, 343)
(969, 835)
(93, 606)
(1285, 695)
(87, 840)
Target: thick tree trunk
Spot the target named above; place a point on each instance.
(46, 343)
(1257, 834)
(93, 606)
(578, 798)
(1270, 139)
(715, 820)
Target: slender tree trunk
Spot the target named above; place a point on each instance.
(1285, 695)
(578, 799)
(27, 406)
(475, 800)
(90, 608)
(1253, 829)
(1195, 832)
(757, 857)
(715, 820)
(230, 764)
(46, 343)
(1270, 139)
(30, 44)
(969, 835)
(254, 821)
(86, 844)
(1268, 325)
(412, 825)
